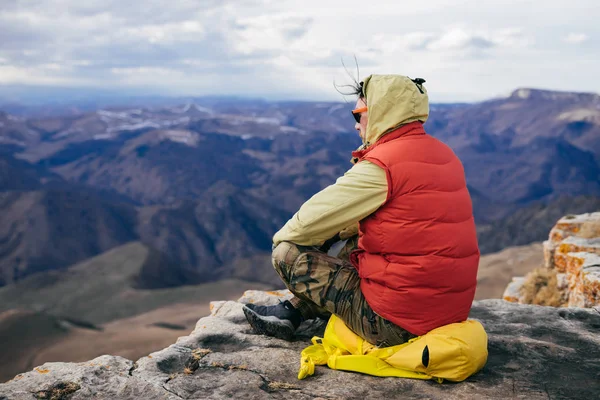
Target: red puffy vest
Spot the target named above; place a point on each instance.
(417, 254)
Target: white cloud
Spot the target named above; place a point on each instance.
(167, 33)
(52, 66)
(138, 71)
(267, 32)
(575, 38)
(81, 63)
(466, 49)
(455, 39)
(38, 76)
(458, 38)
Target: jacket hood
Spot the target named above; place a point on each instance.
(393, 100)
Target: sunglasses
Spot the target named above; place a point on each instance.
(357, 113)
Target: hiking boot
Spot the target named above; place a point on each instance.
(280, 320)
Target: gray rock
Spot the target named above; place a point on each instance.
(534, 353)
(104, 377)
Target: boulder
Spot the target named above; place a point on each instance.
(513, 290)
(535, 352)
(573, 252)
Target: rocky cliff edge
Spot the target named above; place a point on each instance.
(535, 352)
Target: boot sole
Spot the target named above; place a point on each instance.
(270, 326)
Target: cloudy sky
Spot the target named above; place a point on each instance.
(467, 50)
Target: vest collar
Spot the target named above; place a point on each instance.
(410, 129)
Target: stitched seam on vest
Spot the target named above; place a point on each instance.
(408, 136)
(415, 136)
(433, 220)
(455, 258)
(433, 191)
(388, 176)
(421, 162)
(431, 254)
(409, 133)
(426, 255)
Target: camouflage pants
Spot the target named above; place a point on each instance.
(324, 285)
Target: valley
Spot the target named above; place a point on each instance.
(123, 222)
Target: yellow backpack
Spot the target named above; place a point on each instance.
(453, 352)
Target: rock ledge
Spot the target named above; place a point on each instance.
(534, 353)
(573, 251)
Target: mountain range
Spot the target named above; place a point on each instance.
(204, 185)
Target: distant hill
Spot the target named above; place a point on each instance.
(521, 118)
(496, 270)
(23, 333)
(204, 185)
(193, 242)
(532, 223)
(94, 308)
(17, 174)
(49, 229)
(530, 146)
(103, 289)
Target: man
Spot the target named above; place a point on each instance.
(415, 265)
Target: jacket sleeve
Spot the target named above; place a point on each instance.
(348, 232)
(354, 196)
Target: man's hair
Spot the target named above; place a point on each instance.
(352, 89)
